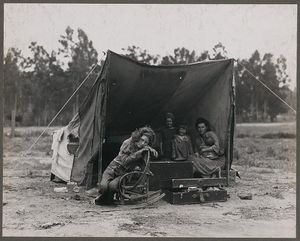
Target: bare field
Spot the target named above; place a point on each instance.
(267, 169)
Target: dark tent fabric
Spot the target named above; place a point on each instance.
(128, 95)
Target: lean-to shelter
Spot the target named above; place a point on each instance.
(127, 95)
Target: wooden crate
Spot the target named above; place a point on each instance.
(167, 170)
(195, 196)
(192, 182)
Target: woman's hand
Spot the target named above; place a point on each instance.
(148, 148)
(143, 149)
(205, 148)
(153, 151)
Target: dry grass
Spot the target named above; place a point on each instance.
(282, 135)
(270, 146)
(18, 145)
(260, 129)
(30, 131)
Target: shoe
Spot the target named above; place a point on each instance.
(104, 200)
(100, 200)
(58, 180)
(94, 192)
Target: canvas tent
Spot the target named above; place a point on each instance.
(127, 95)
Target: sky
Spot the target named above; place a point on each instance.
(160, 28)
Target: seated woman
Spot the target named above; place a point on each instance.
(181, 145)
(208, 159)
(130, 156)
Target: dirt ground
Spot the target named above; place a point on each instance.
(266, 166)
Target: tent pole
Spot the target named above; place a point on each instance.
(228, 153)
(231, 128)
(230, 143)
(102, 129)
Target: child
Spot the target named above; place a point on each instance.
(166, 136)
(181, 145)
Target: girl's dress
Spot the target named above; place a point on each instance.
(181, 148)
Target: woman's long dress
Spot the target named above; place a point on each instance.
(208, 162)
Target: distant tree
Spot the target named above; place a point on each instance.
(40, 70)
(181, 56)
(61, 89)
(219, 52)
(256, 91)
(203, 56)
(292, 98)
(81, 56)
(138, 54)
(281, 68)
(243, 92)
(39, 85)
(184, 56)
(252, 96)
(13, 83)
(273, 80)
(12, 78)
(166, 60)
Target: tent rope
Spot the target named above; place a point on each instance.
(61, 109)
(268, 88)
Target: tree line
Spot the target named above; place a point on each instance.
(36, 87)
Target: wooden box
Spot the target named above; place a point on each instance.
(167, 170)
(195, 196)
(192, 182)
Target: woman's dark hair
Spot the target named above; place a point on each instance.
(202, 120)
(144, 131)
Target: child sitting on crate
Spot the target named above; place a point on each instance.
(181, 144)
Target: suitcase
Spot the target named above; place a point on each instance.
(167, 170)
(192, 182)
(194, 196)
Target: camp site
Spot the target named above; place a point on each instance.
(133, 144)
(259, 191)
